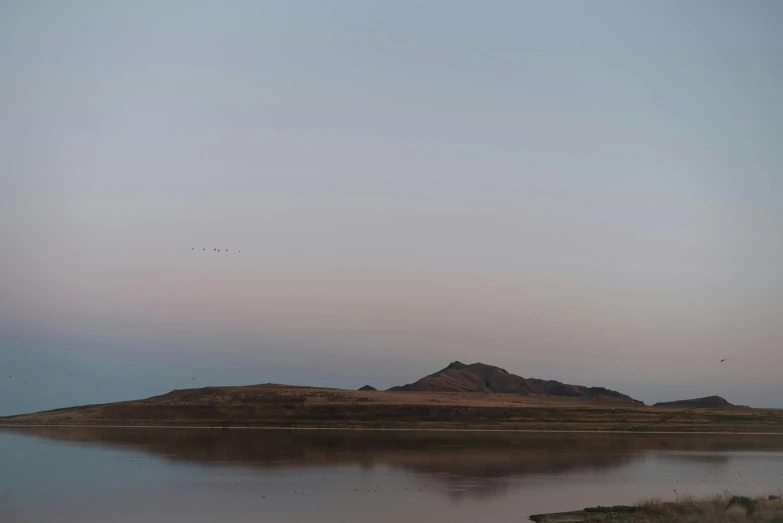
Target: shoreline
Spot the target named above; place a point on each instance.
(380, 429)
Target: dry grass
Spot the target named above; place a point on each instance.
(736, 513)
(724, 508)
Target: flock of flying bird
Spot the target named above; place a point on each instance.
(215, 250)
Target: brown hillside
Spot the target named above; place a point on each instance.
(310, 407)
(480, 377)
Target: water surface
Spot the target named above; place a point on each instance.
(93, 474)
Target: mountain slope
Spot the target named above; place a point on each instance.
(480, 377)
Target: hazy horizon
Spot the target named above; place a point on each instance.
(585, 192)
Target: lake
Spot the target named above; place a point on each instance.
(94, 474)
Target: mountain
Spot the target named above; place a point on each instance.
(713, 402)
(480, 377)
(368, 388)
(271, 405)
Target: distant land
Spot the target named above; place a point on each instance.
(480, 377)
(708, 402)
(475, 396)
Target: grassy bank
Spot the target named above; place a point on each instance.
(725, 508)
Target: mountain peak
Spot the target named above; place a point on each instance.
(481, 377)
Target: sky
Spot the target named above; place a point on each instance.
(590, 192)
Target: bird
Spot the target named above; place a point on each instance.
(722, 360)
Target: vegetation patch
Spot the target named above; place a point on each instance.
(745, 502)
(617, 509)
(726, 508)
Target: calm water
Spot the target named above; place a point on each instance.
(80, 474)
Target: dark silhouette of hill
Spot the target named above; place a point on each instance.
(480, 377)
(367, 388)
(711, 402)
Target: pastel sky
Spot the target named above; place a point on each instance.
(584, 191)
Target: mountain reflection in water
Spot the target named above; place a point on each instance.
(463, 464)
